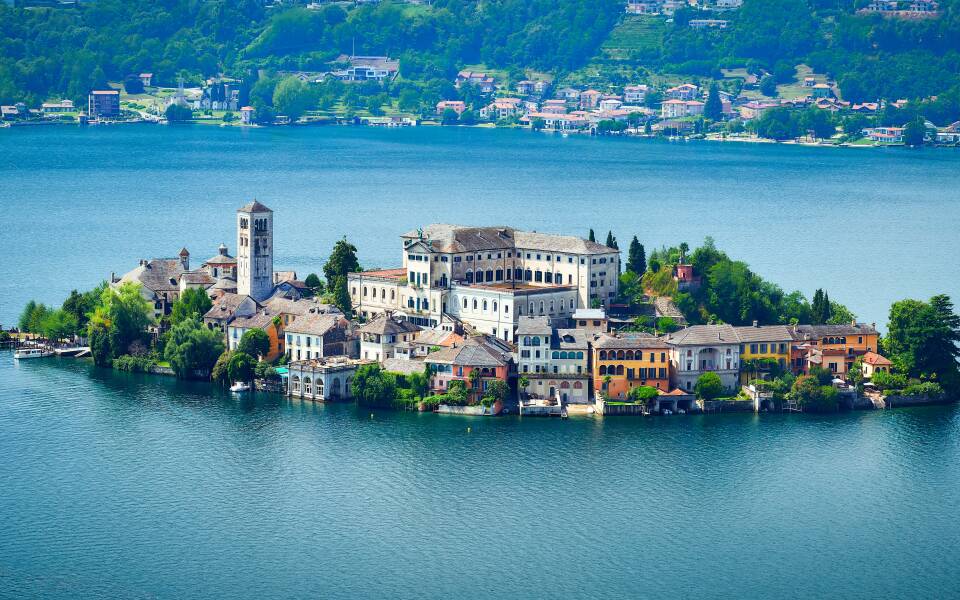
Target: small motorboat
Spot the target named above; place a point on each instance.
(239, 387)
(23, 353)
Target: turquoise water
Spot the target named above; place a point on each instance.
(125, 486)
(872, 226)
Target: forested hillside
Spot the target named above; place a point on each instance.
(51, 52)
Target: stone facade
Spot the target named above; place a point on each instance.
(255, 251)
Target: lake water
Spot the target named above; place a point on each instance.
(115, 485)
(127, 486)
(871, 226)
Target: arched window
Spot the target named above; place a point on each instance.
(603, 355)
(555, 354)
(296, 383)
(484, 305)
(320, 388)
(536, 341)
(578, 385)
(469, 276)
(464, 302)
(551, 306)
(479, 277)
(603, 369)
(541, 307)
(494, 306)
(619, 369)
(383, 293)
(307, 388)
(564, 385)
(364, 291)
(489, 274)
(499, 274)
(474, 304)
(518, 274)
(527, 275)
(531, 308)
(620, 354)
(548, 277)
(579, 355)
(564, 355)
(629, 355)
(526, 340)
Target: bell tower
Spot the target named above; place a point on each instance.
(255, 251)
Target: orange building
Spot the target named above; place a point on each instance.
(842, 342)
(625, 361)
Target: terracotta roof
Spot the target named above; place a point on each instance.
(872, 358)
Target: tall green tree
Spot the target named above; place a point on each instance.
(591, 237)
(125, 313)
(341, 296)
(192, 349)
(923, 338)
(241, 366)
(713, 109)
(708, 386)
(342, 261)
(254, 342)
(292, 97)
(313, 282)
(611, 241)
(193, 302)
(636, 257)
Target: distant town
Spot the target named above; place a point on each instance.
(486, 320)
(756, 103)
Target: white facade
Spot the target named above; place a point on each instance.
(255, 251)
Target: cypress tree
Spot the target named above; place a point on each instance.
(713, 109)
(636, 257)
(612, 241)
(592, 237)
(816, 307)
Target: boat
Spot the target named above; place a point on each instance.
(23, 353)
(239, 387)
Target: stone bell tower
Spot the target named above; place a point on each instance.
(255, 251)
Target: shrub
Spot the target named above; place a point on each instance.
(134, 364)
(889, 381)
(923, 388)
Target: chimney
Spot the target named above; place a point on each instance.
(756, 323)
(853, 323)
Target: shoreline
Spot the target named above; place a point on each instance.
(336, 122)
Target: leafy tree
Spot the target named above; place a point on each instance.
(811, 395)
(709, 386)
(643, 394)
(99, 339)
(133, 85)
(915, 132)
(125, 313)
(449, 117)
(537, 123)
(341, 297)
(713, 109)
(266, 371)
(819, 122)
(32, 317)
(81, 306)
(59, 324)
(497, 391)
(778, 124)
(457, 393)
(419, 383)
(342, 261)
(220, 373)
(468, 117)
(241, 366)
(372, 386)
(255, 343)
(292, 98)
(192, 348)
(768, 86)
(313, 282)
(636, 257)
(176, 113)
(923, 338)
(193, 302)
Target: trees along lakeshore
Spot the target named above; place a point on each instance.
(254, 343)
(192, 349)
(193, 302)
(119, 322)
(923, 340)
(342, 261)
(709, 386)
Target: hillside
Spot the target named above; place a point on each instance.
(47, 53)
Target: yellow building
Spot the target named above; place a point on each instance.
(623, 362)
(760, 344)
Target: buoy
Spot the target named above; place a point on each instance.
(468, 430)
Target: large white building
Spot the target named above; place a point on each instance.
(701, 349)
(488, 277)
